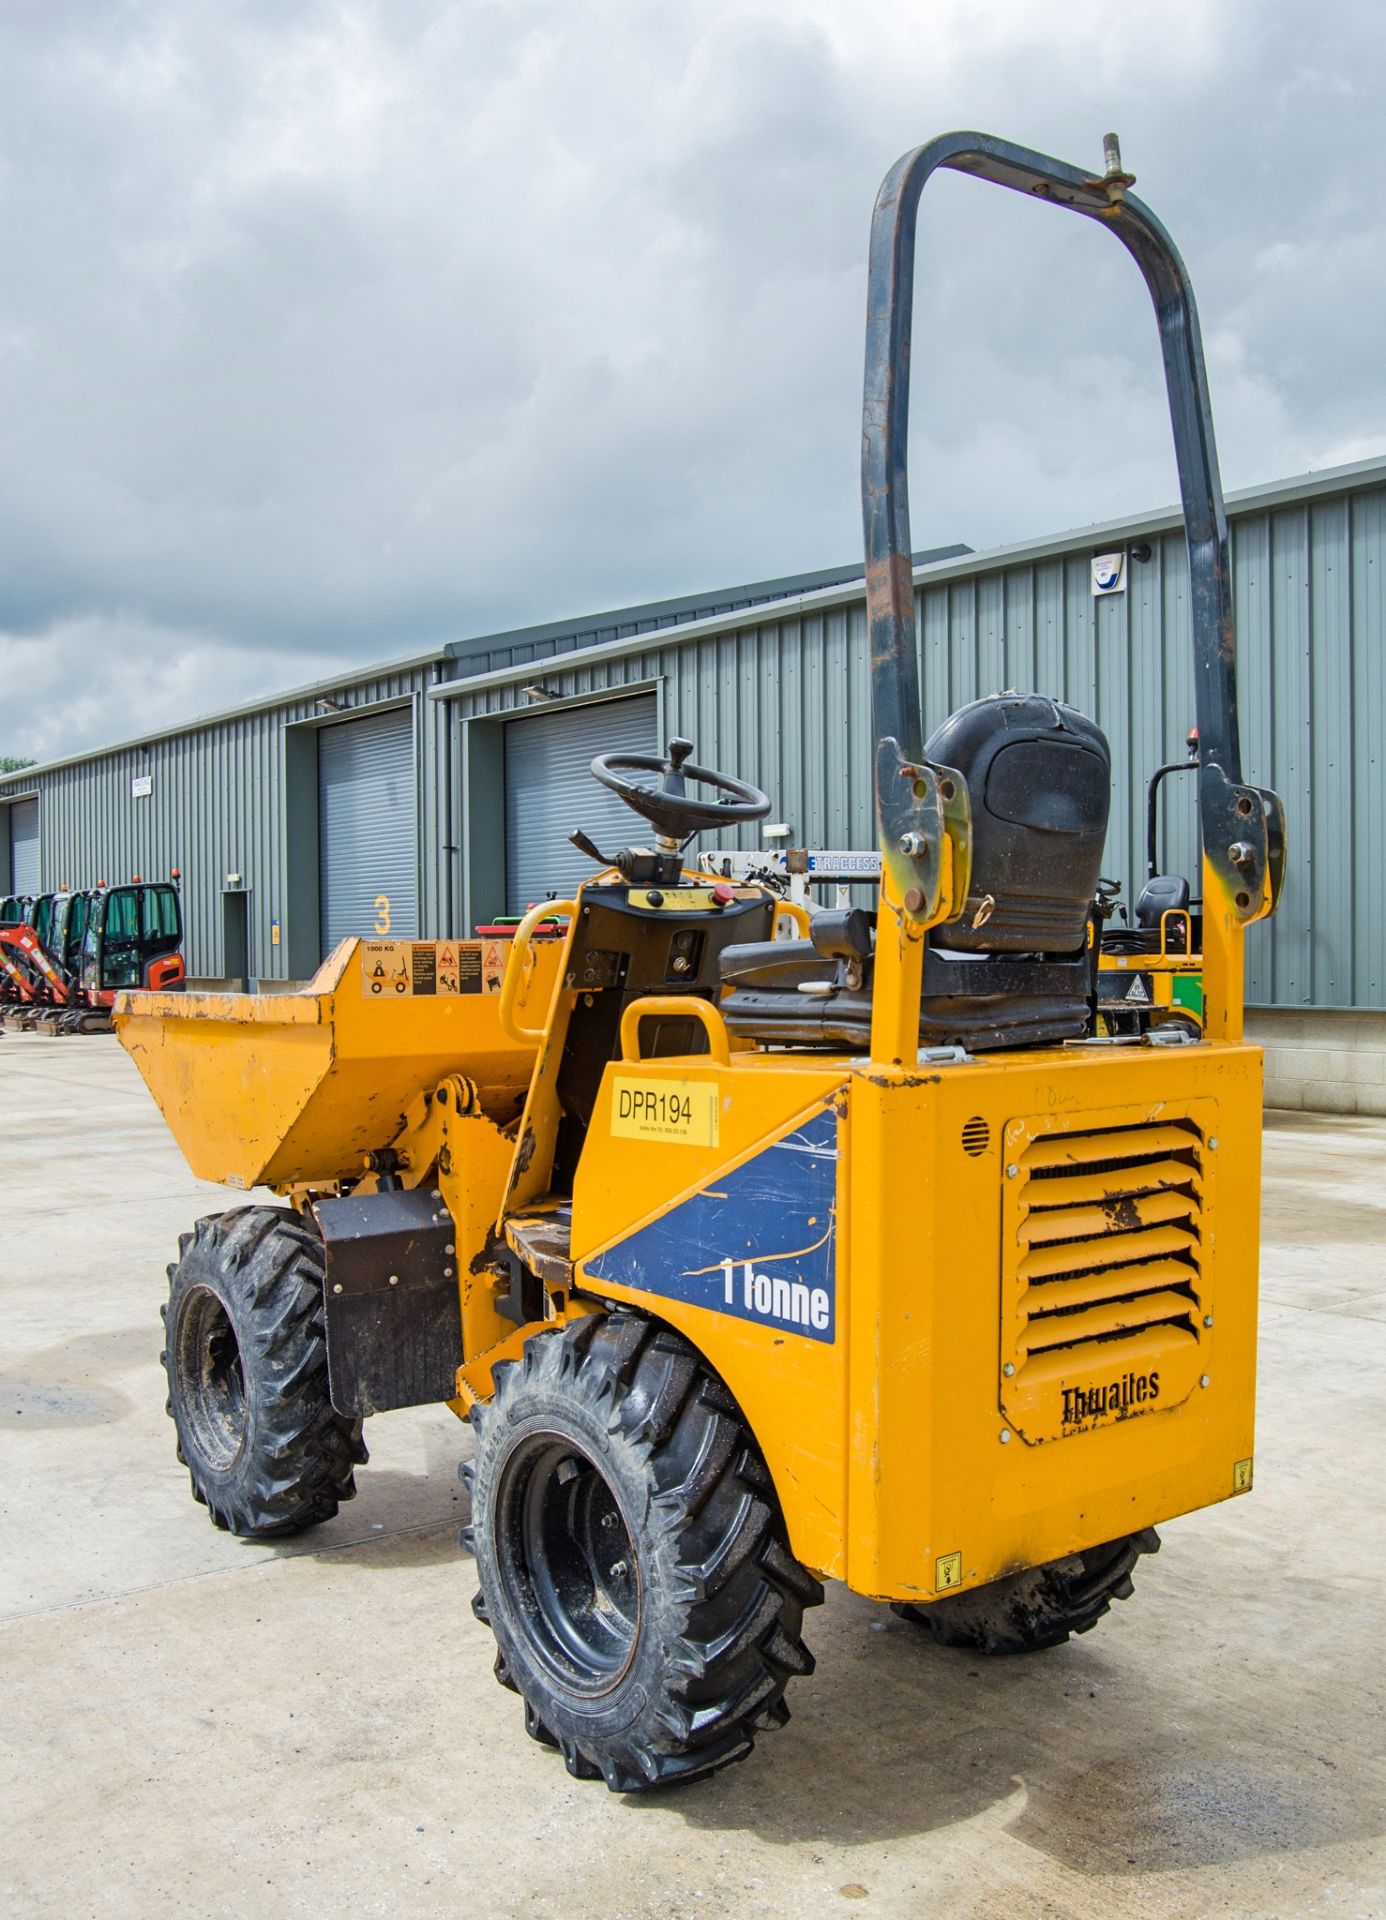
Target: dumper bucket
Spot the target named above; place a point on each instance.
(274, 1089)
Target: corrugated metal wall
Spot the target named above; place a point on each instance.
(216, 806)
(784, 702)
(549, 789)
(368, 850)
(1311, 625)
(24, 847)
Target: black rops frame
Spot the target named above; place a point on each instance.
(1243, 827)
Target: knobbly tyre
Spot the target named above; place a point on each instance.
(756, 1263)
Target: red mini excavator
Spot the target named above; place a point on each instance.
(64, 957)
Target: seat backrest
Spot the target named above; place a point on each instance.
(1039, 780)
(1162, 893)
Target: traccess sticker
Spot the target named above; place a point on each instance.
(650, 1109)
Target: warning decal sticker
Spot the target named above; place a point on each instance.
(427, 969)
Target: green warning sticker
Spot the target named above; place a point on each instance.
(1186, 990)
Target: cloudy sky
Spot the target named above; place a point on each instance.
(332, 329)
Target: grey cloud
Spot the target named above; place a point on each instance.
(329, 331)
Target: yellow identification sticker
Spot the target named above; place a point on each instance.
(1241, 1477)
(687, 1111)
(947, 1572)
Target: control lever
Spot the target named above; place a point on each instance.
(639, 864)
(1105, 902)
(589, 846)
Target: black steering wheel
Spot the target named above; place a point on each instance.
(669, 807)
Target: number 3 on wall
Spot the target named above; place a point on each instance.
(382, 913)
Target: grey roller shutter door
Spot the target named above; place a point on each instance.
(367, 843)
(24, 847)
(549, 790)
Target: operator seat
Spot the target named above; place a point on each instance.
(1162, 893)
(1014, 968)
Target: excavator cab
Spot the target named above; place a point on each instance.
(133, 938)
(40, 918)
(68, 929)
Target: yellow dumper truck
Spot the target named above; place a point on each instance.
(759, 1262)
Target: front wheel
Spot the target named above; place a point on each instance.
(633, 1561)
(246, 1359)
(1027, 1612)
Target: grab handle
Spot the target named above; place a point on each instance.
(516, 970)
(682, 1005)
(1176, 913)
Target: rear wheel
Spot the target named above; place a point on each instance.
(633, 1561)
(246, 1359)
(1026, 1612)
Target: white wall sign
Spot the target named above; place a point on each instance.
(1109, 573)
(141, 786)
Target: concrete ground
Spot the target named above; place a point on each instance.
(194, 1725)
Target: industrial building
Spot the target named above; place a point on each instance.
(432, 794)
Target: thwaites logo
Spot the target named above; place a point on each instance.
(1082, 1404)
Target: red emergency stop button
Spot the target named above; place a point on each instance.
(723, 895)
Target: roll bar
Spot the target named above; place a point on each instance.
(1152, 810)
(1243, 827)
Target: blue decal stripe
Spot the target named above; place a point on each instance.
(761, 1246)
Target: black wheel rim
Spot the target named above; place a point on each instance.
(211, 1379)
(567, 1561)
